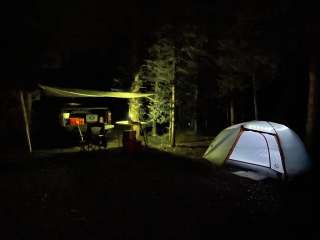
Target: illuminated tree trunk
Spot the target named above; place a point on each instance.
(134, 105)
(312, 106)
(154, 118)
(172, 133)
(154, 127)
(172, 124)
(254, 96)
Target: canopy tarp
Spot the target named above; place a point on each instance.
(75, 93)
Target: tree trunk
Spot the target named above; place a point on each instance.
(135, 41)
(154, 127)
(254, 96)
(134, 105)
(231, 110)
(172, 134)
(196, 117)
(228, 114)
(312, 106)
(154, 118)
(172, 124)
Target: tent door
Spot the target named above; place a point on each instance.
(251, 148)
(274, 153)
(259, 149)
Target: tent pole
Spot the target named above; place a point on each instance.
(26, 122)
(281, 154)
(234, 144)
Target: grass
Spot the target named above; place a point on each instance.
(188, 144)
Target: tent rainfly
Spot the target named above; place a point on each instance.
(264, 147)
(76, 93)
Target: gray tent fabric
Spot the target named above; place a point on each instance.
(296, 158)
(261, 126)
(76, 93)
(222, 144)
(260, 145)
(251, 148)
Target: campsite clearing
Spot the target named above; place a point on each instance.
(149, 195)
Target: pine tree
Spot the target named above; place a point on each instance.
(171, 72)
(241, 60)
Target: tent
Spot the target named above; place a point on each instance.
(265, 147)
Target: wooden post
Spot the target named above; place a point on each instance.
(26, 122)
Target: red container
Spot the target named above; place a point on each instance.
(76, 121)
(130, 144)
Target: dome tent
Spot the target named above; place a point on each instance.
(265, 147)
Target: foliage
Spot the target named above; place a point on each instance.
(241, 57)
(174, 58)
(158, 72)
(136, 110)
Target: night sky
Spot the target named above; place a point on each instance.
(48, 27)
(94, 42)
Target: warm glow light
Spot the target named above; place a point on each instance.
(130, 115)
(133, 114)
(66, 115)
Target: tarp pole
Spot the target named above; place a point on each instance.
(26, 122)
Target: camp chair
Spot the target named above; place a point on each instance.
(96, 136)
(82, 139)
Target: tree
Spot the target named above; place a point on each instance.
(313, 52)
(230, 80)
(312, 105)
(159, 73)
(241, 60)
(192, 55)
(171, 72)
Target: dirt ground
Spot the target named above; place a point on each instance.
(151, 194)
(187, 144)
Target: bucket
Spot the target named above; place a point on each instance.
(130, 144)
(128, 138)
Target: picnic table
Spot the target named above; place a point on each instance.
(137, 126)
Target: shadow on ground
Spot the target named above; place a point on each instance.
(150, 195)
